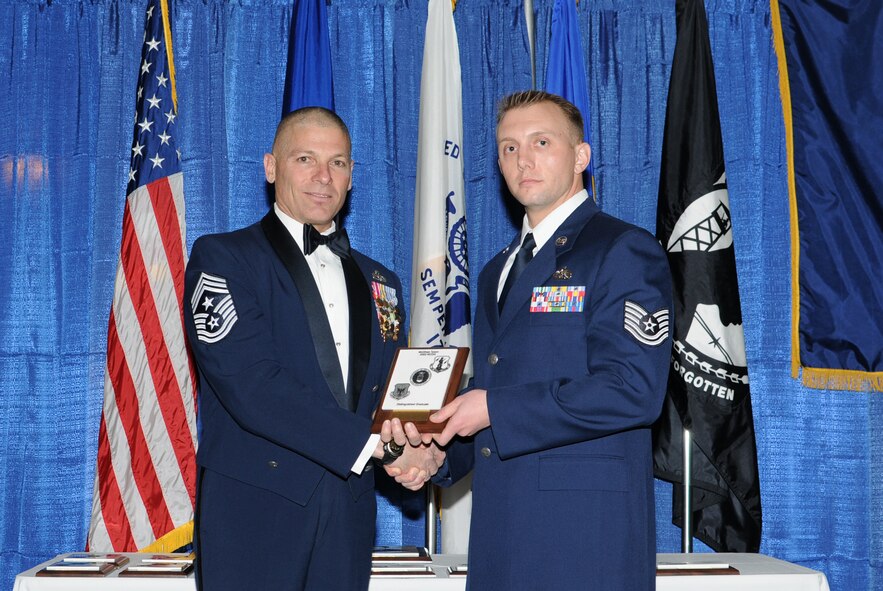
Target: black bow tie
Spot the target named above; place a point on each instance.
(337, 241)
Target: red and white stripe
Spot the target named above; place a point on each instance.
(146, 473)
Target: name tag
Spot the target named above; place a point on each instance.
(558, 298)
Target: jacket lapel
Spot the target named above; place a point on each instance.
(535, 273)
(296, 265)
(545, 263)
(492, 272)
(360, 301)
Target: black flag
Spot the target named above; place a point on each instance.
(708, 390)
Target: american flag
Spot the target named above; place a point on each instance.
(145, 478)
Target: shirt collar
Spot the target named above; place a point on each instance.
(295, 228)
(546, 228)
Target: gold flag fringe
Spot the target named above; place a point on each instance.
(178, 537)
(842, 379)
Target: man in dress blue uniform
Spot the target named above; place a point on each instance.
(293, 333)
(571, 348)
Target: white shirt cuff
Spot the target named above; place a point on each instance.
(366, 454)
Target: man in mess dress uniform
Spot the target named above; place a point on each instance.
(294, 332)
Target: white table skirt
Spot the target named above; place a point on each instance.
(757, 573)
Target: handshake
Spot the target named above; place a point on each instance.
(421, 455)
(417, 461)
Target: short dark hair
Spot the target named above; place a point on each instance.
(316, 116)
(528, 98)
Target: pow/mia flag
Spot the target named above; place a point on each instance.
(708, 388)
(213, 311)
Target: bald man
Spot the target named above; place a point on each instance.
(293, 332)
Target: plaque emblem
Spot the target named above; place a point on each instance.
(440, 364)
(400, 391)
(421, 376)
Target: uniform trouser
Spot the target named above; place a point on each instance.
(251, 538)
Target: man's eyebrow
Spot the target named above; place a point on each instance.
(530, 135)
(309, 152)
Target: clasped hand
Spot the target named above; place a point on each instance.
(419, 461)
(465, 415)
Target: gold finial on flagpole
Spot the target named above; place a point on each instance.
(453, 5)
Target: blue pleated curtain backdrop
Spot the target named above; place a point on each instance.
(66, 105)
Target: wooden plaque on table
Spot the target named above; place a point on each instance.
(180, 569)
(92, 557)
(80, 569)
(669, 569)
(420, 382)
(400, 554)
(401, 570)
(173, 558)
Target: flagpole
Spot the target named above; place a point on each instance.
(531, 40)
(431, 511)
(687, 532)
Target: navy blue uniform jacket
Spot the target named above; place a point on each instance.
(563, 483)
(270, 378)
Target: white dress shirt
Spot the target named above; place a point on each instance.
(543, 232)
(327, 271)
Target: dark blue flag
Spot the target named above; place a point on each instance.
(566, 70)
(308, 75)
(832, 97)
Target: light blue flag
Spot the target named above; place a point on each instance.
(565, 69)
(308, 74)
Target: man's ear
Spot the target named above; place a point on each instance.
(270, 168)
(583, 157)
(352, 165)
